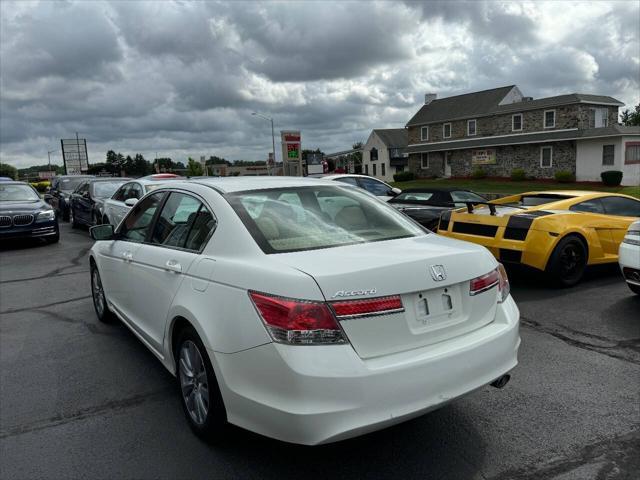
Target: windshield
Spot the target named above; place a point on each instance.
(70, 184)
(17, 193)
(306, 218)
(105, 189)
(151, 187)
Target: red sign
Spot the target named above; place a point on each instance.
(291, 137)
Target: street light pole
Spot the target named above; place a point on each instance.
(273, 139)
(49, 152)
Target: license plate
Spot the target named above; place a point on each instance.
(435, 306)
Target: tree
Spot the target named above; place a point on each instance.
(194, 169)
(7, 170)
(140, 166)
(631, 118)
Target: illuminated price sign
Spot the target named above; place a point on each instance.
(293, 150)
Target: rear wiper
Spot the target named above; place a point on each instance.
(492, 206)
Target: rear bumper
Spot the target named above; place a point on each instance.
(629, 260)
(35, 230)
(319, 394)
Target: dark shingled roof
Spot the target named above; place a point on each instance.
(393, 137)
(487, 102)
(542, 137)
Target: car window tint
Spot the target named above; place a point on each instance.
(373, 186)
(624, 207)
(203, 224)
(589, 206)
(121, 192)
(175, 220)
(413, 196)
(349, 180)
(136, 224)
(134, 192)
(462, 196)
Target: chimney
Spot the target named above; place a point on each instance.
(429, 97)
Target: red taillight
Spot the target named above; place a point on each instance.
(498, 277)
(371, 306)
(484, 282)
(297, 321)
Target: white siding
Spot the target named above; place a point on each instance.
(589, 160)
(383, 157)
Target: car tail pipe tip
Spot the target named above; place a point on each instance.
(501, 382)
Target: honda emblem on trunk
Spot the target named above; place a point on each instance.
(438, 273)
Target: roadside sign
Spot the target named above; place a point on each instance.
(74, 155)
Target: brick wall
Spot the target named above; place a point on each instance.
(436, 165)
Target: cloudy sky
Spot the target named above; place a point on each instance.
(181, 79)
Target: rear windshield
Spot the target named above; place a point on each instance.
(541, 199)
(70, 184)
(307, 218)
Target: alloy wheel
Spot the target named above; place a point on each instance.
(193, 382)
(98, 293)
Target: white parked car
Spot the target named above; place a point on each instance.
(301, 309)
(376, 187)
(116, 207)
(629, 257)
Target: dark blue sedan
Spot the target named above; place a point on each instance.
(23, 214)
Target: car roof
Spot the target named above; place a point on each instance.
(435, 189)
(238, 184)
(109, 179)
(342, 175)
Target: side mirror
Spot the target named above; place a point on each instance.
(130, 202)
(395, 192)
(102, 232)
(47, 189)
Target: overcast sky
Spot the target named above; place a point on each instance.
(181, 79)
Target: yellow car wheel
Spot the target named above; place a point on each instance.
(568, 261)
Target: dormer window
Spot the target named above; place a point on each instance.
(471, 128)
(446, 130)
(374, 154)
(549, 118)
(424, 134)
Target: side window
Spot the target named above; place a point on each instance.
(377, 188)
(134, 191)
(121, 193)
(624, 207)
(137, 223)
(349, 180)
(83, 187)
(590, 206)
(184, 222)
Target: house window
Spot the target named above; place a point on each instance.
(383, 169)
(374, 154)
(549, 118)
(516, 122)
(598, 117)
(632, 153)
(471, 127)
(546, 157)
(424, 134)
(446, 130)
(607, 154)
(424, 161)
(366, 169)
(374, 169)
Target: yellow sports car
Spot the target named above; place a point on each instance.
(559, 232)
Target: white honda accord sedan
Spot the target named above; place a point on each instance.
(302, 309)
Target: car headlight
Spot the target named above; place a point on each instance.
(46, 216)
(632, 237)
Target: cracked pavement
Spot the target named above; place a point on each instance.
(79, 399)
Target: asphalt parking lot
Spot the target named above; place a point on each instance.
(83, 399)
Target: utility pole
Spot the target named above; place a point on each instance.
(273, 139)
(49, 152)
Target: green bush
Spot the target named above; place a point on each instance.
(565, 176)
(612, 178)
(403, 176)
(479, 173)
(518, 175)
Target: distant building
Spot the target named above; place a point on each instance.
(500, 130)
(384, 153)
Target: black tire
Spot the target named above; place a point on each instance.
(72, 218)
(54, 238)
(634, 288)
(100, 300)
(568, 261)
(212, 425)
(64, 208)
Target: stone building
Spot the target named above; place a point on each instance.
(500, 130)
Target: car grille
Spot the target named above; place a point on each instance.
(475, 229)
(21, 220)
(5, 221)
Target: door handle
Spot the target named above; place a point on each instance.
(127, 256)
(173, 266)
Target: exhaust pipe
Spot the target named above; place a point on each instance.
(501, 382)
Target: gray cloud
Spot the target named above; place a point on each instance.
(182, 78)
